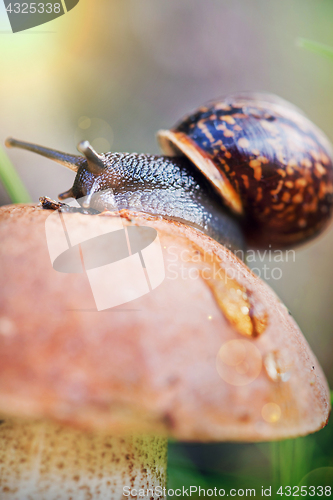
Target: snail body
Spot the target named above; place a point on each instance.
(251, 160)
(163, 186)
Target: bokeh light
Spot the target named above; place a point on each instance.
(271, 412)
(239, 362)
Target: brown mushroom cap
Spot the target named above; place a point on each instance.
(203, 357)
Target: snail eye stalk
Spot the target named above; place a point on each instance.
(95, 162)
(67, 160)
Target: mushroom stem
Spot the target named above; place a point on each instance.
(45, 461)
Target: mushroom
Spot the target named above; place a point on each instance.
(88, 398)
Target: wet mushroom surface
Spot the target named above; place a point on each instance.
(88, 398)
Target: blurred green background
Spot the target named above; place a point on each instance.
(114, 72)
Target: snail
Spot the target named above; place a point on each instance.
(248, 164)
(106, 391)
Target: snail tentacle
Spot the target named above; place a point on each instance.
(67, 160)
(66, 194)
(95, 161)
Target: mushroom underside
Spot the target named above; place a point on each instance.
(43, 460)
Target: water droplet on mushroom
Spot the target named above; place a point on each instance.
(241, 307)
(276, 367)
(246, 314)
(285, 376)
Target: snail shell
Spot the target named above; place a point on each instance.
(267, 160)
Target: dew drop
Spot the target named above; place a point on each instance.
(276, 368)
(240, 306)
(247, 315)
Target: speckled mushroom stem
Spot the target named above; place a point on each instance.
(47, 461)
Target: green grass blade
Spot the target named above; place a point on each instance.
(11, 180)
(316, 47)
